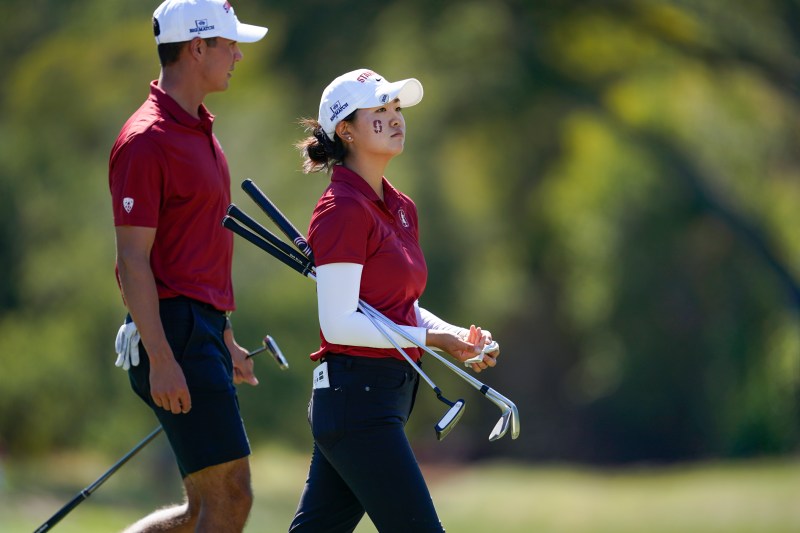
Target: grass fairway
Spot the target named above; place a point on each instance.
(746, 497)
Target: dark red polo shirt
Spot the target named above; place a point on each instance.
(350, 224)
(167, 171)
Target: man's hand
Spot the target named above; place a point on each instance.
(168, 385)
(242, 365)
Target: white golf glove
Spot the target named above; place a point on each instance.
(127, 346)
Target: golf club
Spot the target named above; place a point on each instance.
(267, 344)
(509, 412)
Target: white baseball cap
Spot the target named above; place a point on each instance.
(176, 21)
(362, 89)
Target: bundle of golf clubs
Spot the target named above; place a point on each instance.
(301, 259)
(267, 344)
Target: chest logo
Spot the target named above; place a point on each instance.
(127, 203)
(403, 218)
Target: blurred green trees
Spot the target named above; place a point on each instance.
(610, 187)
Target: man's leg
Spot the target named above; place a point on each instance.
(218, 499)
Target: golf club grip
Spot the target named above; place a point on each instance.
(291, 261)
(277, 217)
(240, 216)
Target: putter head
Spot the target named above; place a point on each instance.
(272, 346)
(449, 420)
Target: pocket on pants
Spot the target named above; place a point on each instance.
(326, 415)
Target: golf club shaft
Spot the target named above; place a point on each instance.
(386, 334)
(85, 493)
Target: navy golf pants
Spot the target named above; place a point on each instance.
(362, 460)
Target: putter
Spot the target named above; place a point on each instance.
(269, 344)
(86, 492)
(509, 413)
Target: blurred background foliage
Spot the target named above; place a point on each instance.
(609, 187)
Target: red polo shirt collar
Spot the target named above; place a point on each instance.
(343, 174)
(183, 117)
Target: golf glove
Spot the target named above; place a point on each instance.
(127, 346)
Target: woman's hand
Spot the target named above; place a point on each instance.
(483, 338)
(465, 348)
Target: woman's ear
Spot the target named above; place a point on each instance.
(343, 131)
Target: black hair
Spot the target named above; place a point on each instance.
(319, 151)
(168, 53)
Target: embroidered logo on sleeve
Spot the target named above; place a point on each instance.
(127, 204)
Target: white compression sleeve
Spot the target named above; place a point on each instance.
(337, 298)
(428, 320)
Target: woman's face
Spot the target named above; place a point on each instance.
(379, 131)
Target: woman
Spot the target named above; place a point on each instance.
(365, 239)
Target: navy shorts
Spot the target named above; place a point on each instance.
(212, 432)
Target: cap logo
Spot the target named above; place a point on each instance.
(156, 27)
(201, 25)
(227, 7)
(384, 98)
(336, 109)
(365, 76)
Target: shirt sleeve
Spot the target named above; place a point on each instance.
(428, 320)
(137, 181)
(339, 231)
(339, 319)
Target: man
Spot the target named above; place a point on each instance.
(170, 186)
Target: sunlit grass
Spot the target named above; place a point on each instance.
(746, 497)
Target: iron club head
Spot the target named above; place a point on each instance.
(508, 418)
(502, 425)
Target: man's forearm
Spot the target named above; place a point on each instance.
(141, 298)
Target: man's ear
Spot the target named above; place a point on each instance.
(196, 47)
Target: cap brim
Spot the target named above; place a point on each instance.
(409, 91)
(247, 33)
